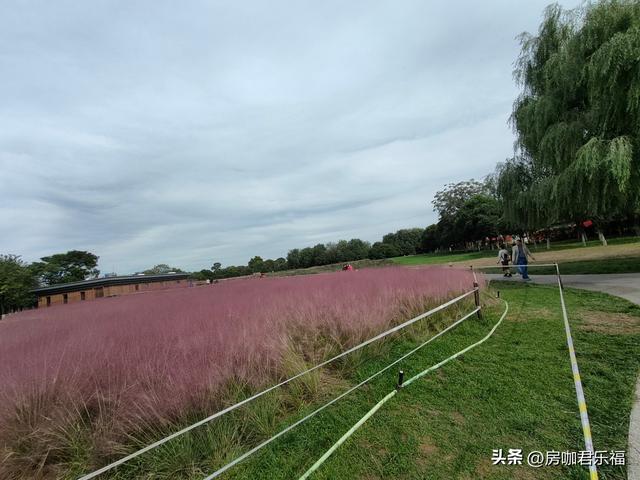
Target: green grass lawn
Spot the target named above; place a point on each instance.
(565, 244)
(514, 391)
(613, 265)
(583, 267)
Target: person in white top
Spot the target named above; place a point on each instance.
(503, 258)
(520, 255)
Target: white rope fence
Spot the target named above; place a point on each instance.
(331, 402)
(391, 394)
(577, 381)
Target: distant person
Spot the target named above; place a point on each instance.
(347, 268)
(503, 258)
(520, 255)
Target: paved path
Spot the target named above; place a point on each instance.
(625, 285)
(633, 458)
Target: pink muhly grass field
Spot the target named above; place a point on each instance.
(156, 354)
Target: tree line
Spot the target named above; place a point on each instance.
(403, 242)
(468, 211)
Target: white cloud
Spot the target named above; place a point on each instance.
(153, 132)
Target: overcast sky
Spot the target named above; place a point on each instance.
(191, 132)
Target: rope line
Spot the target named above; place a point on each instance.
(577, 381)
(331, 402)
(350, 432)
(273, 387)
(391, 394)
(529, 265)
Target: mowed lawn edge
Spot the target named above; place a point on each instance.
(514, 391)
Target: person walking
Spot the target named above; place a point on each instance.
(520, 255)
(503, 258)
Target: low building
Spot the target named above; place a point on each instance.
(106, 287)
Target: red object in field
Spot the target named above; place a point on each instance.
(347, 268)
(587, 223)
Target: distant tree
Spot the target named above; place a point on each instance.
(477, 218)
(342, 251)
(256, 264)
(280, 264)
(306, 257)
(358, 249)
(72, 266)
(293, 258)
(161, 269)
(447, 201)
(407, 240)
(268, 266)
(430, 239)
(204, 274)
(331, 253)
(319, 254)
(216, 266)
(232, 271)
(447, 232)
(577, 118)
(17, 280)
(380, 250)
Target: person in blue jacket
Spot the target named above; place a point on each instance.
(520, 255)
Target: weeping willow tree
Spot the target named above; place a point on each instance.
(577, 119)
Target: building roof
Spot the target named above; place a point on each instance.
(107, 281)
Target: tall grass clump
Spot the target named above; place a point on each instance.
(83, 383)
